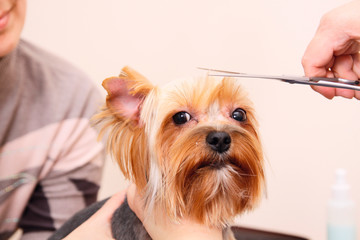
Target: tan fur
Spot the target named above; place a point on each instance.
(171, 164)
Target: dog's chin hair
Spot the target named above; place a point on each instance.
(221, 193)
(222, 198)
(221, 181)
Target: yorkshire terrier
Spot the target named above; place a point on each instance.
(191, 147)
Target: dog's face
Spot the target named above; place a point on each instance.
(191, 147)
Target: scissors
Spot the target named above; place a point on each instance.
(316, 81)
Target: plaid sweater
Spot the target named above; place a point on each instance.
(50, 161)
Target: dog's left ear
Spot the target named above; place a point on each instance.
(126, 94)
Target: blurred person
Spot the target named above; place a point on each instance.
(334, 50)
(50, 160)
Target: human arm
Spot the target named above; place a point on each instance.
(334, 50)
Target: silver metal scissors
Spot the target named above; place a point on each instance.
(316, 81)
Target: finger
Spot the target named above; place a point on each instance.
(349, 47)
(98, 225)
(343, 68)
(318, 57)
(107, 210)
(330, 74)
(135, 201)
(327, 92)
(357, 95)
(356, 69)
(356, 64)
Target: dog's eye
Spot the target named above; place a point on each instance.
(181, 118)
(239, 115)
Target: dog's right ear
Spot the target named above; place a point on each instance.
(126, 94)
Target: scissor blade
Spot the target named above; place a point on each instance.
(288, 79)
(216, 70)
(352, 85)
(315, 81)
(223, 73)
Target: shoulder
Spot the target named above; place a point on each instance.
(56, 82)
(45, 65)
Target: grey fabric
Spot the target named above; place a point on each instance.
(27, 91)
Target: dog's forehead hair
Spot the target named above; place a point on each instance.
(204, 94)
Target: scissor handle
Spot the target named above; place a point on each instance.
(339, 80)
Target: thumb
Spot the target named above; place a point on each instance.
(108, 209)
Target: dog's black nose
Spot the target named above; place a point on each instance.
(219, 141)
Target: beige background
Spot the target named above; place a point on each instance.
(305, 136)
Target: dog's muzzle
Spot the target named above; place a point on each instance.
(218, 141)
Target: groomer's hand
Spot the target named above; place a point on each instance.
(334, 50)
(161, 228)
(98, 226)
